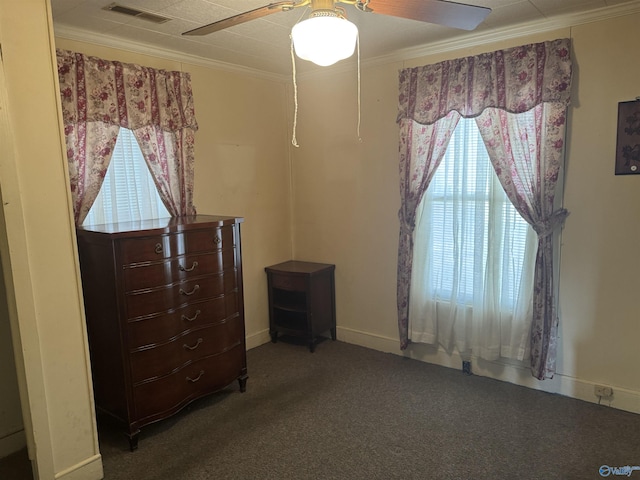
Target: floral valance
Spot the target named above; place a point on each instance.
(515, 80)
(123, 94)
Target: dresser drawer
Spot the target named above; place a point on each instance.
(161, 299)
(161, 360)
(150, 249)
(205, 240)
(192, 381)
(161, 328)
(148, 275)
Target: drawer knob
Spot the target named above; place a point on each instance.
(217, 240)
(190, 269)
(190, 319)
(195, 289)
(189, 347)
(194, 380)
(158, 248)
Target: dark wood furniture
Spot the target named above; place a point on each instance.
(165, 316)
(302, 300)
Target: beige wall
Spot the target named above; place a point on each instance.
(241, 166)
(346, 198)
(334, 199)
(600, 270)
(346, 193)
(38, 254)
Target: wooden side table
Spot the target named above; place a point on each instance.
(301, 300)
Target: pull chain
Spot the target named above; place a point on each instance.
(294, 141)
(359, 95)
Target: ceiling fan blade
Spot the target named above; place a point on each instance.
(441, 12)
(245, 17)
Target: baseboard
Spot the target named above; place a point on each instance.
(257, 339)
(622, 399)
(12, 443)
(88, 469)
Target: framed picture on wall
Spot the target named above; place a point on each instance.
(628, 141)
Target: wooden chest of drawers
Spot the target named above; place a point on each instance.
(165, 315)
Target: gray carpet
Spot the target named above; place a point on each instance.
(347, 412)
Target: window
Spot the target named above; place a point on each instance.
(474, 254)
(128, 191)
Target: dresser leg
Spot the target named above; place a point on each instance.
(274, 337)
(242, 381)
(133, 440)
(333, 333)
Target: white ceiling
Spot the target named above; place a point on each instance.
(264, 44)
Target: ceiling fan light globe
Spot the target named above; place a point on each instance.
(324, 40)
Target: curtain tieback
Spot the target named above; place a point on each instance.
(406, 228)
(548, 226)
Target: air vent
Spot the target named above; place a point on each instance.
(134, 12)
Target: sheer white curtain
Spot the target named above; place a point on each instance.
(474, 258)
(128, 191)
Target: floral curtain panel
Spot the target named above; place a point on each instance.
(528, 170)
(515, 80)
(100, 96)
(490, 86)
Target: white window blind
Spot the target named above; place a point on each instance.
(473, 224)
(128, 192)
(473, 260)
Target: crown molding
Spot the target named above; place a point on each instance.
(103, 40)
(466, 40)
(508, 33)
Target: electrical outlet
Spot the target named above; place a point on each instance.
(466, 367)
(602, 391)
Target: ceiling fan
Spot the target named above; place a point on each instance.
(327, 27)
(441, 12)
(326, 36)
